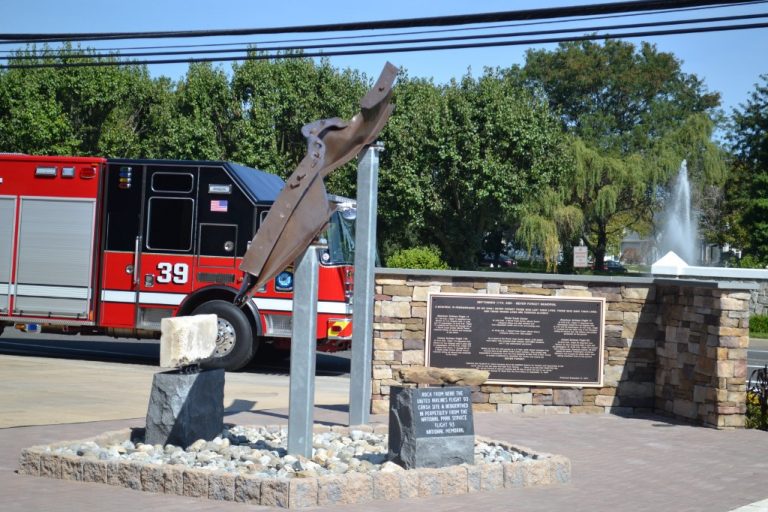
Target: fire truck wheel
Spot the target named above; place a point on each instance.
(234, 341)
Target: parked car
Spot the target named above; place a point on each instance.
(492, 261)
(614, 266)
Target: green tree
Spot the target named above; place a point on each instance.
(633, 116)
(280, 96)
(199, 125)
(77, 110)
(747, 192)
(460, 158)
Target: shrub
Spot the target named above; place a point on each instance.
(750, 261)
(758, 324)
(426, 257)
(755, 417)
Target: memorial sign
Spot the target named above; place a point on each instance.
(520, 339)
(580, 259)
(431, 427)
(443, 412)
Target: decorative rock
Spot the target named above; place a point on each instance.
(185, 407)
(186, 340)
(229, 472)
(444, 376)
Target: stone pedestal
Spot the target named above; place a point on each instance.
(431, 427)
(185, 407)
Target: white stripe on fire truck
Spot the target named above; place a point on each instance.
(5, 289)
(328, 307)
(118, 296)
(65, 292)
(166, 299)
(266, 304)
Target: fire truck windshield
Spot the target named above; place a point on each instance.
(341, 237)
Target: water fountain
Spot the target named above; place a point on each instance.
(679, 240)
(680, 223)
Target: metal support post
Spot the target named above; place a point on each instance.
(362, 305)
(301, 399)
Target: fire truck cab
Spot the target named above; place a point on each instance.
(112, 246)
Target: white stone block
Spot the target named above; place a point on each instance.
(186, 340)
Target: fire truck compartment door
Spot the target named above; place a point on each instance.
(7, 225)
(54, 267)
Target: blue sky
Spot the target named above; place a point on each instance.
(728, 62)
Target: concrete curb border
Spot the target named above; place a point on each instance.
(541, 470)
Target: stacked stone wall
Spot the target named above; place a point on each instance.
(635, 345)
(701, 371)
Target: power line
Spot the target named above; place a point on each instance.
(463, 19)
(268, 56)
(100, 54)
(412, 33)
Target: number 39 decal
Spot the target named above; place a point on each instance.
(178, 273)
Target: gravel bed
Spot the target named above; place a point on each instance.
(259, 451)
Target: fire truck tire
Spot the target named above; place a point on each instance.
(234, 342)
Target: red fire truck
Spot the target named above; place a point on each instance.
(112, 246)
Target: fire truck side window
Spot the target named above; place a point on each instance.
(169, 224)
(171, 182)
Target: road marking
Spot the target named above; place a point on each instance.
(758, 506)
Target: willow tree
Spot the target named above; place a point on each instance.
(633, 116)
(613, 193)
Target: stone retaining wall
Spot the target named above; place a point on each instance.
(701, 359)
(350, 488)
(668, 349)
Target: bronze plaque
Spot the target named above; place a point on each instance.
(520, 339)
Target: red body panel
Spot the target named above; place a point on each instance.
(123, 286)
(18, 179)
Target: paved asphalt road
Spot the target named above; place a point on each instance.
(122, 350)
(757, 356)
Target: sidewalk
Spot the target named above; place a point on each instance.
(619, 464)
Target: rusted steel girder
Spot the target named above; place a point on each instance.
(302, 209)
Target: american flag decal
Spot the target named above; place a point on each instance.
(219, 205)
